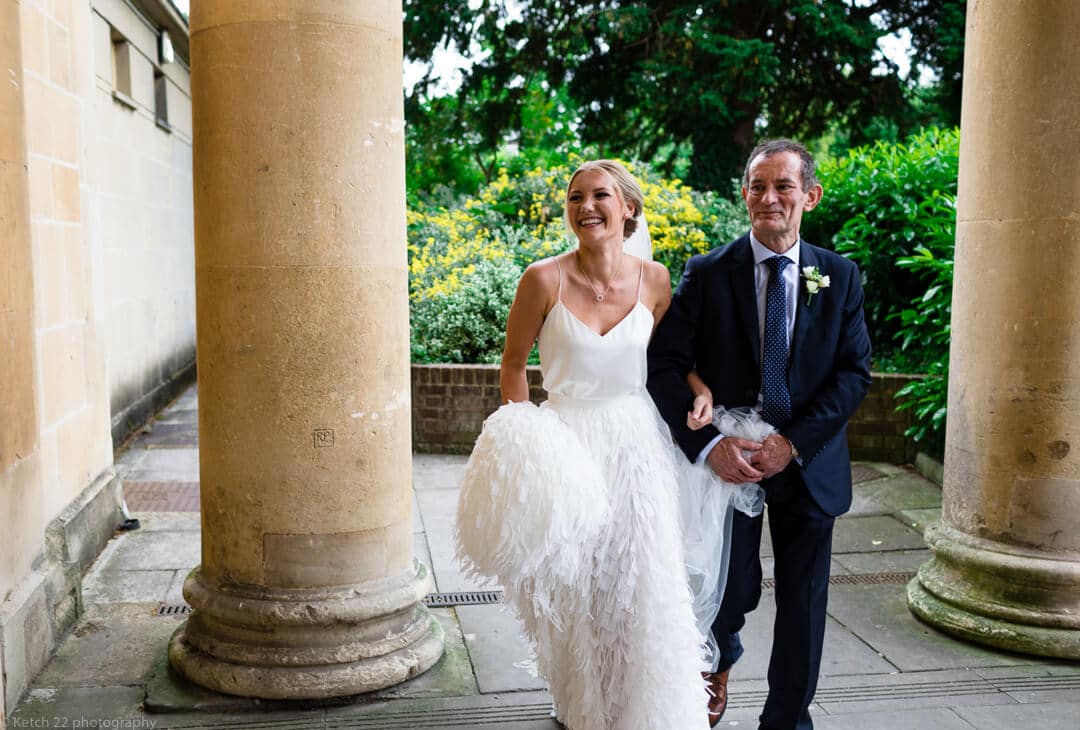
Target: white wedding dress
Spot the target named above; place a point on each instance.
(573, 508)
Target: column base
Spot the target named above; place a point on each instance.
(1004, 596)
(307, 644)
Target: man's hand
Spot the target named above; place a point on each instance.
(727, 461)
(773, 457)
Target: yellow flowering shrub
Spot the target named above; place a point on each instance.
(459, 252)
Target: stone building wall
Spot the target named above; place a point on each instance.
(96, 297)
(139, 150)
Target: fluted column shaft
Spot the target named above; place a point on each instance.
(307, 587)
(1006, 565)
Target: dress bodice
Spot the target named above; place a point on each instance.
(579, 363)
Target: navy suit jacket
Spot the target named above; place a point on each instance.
(712, 325)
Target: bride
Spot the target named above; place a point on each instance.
(573, 507)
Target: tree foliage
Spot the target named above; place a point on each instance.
(648, 80)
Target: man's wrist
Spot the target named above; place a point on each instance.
(794, 452)
(704, 453)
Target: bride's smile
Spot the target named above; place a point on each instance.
(595, 211)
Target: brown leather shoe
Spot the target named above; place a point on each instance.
(717, 689)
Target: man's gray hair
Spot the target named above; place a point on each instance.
(772, 147)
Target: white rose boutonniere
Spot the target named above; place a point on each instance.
(815, 282)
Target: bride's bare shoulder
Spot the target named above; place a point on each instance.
(540, 281)
(657, 276)
(544, 271)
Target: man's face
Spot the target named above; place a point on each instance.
(776, 201)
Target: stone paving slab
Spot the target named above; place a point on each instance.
(439, 507)
(168, 434)
(160, 465)
(170, 522)
(879, 616)
(892, 494)
(139, 550)
(127, 586)
(908, 718)
(920, 519)
(892, 561)
(173, 496)
(1054, 716)
(877, 533)
(844, 653)
(80, 707)
(438, 471)
(113, 644)
(174, 596)
(865, 472)
(502, 659)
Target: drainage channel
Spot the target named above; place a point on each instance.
(484, 598)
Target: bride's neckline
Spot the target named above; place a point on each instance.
(609, 330)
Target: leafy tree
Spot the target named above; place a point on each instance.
(650, 78)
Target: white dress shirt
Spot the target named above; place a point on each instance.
(762, 271)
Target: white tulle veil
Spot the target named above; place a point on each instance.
(640, 242)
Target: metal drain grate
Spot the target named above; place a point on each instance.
(174, 609)
(871, 579)
(862, 473)
(857, 580)
(467, 598)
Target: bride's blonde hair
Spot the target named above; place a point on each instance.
(625, 185)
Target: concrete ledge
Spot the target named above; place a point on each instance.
(48, 601)
(80, 532)
(25, 636)
(930, 468)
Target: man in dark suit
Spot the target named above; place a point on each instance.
(771, 321)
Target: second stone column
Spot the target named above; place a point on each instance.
(1006, 564)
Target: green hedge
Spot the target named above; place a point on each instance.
(891, 208)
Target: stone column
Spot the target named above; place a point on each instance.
(1006, 565)
(308, 587)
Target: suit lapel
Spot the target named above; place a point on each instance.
(742, 285)
(804, 314)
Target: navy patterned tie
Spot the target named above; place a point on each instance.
(775, 400)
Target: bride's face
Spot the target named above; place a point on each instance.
(594, 208)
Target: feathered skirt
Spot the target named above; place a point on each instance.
(573, 508)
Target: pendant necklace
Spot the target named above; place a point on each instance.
(599, 294)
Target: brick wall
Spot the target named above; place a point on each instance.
(876, 432)
(450, 403)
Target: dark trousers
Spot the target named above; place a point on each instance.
(802, 545)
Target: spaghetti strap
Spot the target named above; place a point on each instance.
(640, 275)
(559, 267)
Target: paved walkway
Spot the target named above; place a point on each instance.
(882, 668)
